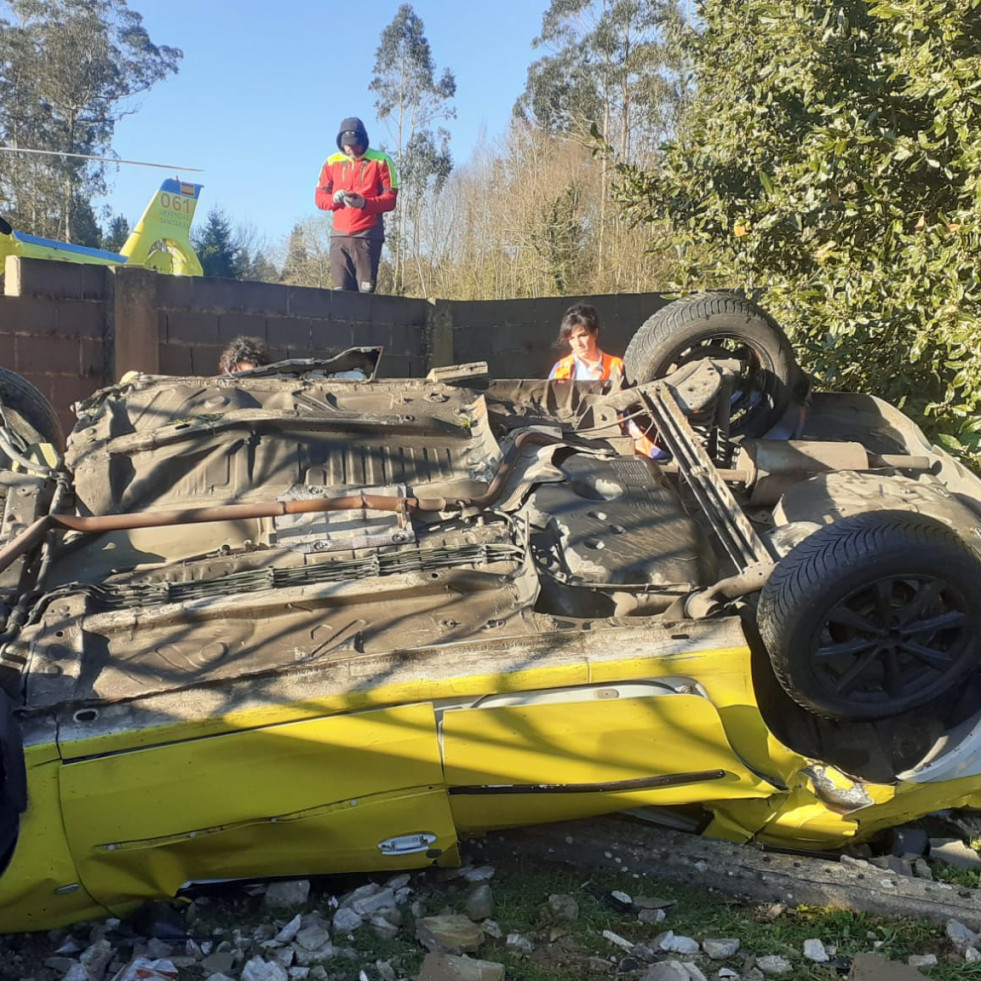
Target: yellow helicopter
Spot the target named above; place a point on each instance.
(160, 240)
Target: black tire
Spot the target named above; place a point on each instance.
(874, 615)
(721, 325)
(28, 414)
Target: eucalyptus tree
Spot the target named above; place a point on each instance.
(611, 76)
(69, 71)
(609, 65)
(411, 98)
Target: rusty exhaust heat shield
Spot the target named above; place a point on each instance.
(97, 524)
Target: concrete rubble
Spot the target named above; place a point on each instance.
(305, 934)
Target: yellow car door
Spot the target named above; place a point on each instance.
(349, 792)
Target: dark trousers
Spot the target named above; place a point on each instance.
(354, 262)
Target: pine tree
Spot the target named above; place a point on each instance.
(115, 237)
(217, 248)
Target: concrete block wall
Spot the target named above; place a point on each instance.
(517, 337)
(53, 324)
(196, 318)
(72, 328)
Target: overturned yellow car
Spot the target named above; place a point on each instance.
(303, 620)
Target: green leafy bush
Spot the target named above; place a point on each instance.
(831, 157)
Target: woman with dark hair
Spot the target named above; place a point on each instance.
(580, 329)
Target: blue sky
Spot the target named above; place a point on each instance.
(264, 84)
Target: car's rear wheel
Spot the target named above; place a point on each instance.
(873, 616)
(26, 413)
(721, 325)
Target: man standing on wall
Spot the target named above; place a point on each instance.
(359, 185)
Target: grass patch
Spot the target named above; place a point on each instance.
(520, 896)
(942, 872)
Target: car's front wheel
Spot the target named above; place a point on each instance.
(873, 616)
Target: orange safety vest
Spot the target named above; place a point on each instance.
(610, 367)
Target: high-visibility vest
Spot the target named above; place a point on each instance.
(610, 367)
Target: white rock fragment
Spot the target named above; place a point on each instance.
(652, 916)
(921, 960)
(955, 852)
(562, 906)
(482, 873)
(290, 930)
(383, 928)
(346, 920)
(520, 943)
(619, 941)
(814, 951)
(681, 945)
(961, 936)
(773, 964)
(667, 971)
(284, 956)
(258, 969)
(95, 959)
(720, 948)
(675, 944)
(368, 905)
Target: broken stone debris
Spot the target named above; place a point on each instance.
(720, 949)
(814, 950)
(449, 967)
(293, 945)
(288, 894)
(480, 902)
(450, 933)
(954, 852)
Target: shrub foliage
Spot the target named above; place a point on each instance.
(831, 157)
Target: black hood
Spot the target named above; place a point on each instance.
(354, 125)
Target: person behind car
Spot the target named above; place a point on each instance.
(358, 185)
(243, 354)
(580, 329)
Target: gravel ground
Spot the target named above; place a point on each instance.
(501, 915)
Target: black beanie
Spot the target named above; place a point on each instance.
(352, 125)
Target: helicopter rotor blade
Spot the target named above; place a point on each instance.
(88, 156)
